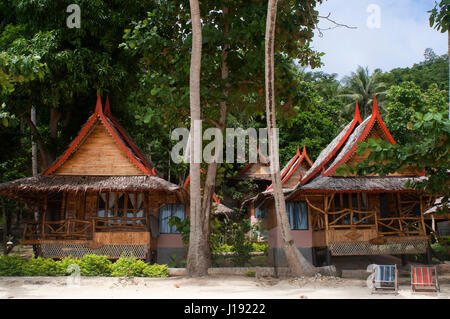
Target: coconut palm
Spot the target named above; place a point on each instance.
(361, 86)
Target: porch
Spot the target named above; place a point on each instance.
(357, 224)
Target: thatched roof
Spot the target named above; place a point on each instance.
(58, 183)
(437, 205)
(266, 195)
(352, 184)
(359, 135)
(300, 159)
(350, 142)
(332, 148)
(115, 130)
(221, 209)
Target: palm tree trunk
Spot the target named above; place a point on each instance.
(448, 36)
(298, 264)
(197, 262)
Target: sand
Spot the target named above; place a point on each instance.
(215, 287)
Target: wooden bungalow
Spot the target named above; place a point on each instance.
(291, 175)
(353, 215)
(102, 196)
(259, 172)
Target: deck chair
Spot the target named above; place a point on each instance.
(385, 279)
(424, 279)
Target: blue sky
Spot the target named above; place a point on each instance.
(401, 40)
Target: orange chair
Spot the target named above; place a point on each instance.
(424, 279)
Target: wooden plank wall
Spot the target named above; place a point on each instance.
(99, 154)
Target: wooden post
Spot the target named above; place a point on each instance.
(5, 227)
(44, 215)
(63, 205)
(422, 217)
(326, 230)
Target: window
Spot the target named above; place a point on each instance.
(166, 213)
(353, 201)
(260, 212)
(298, 215)
(121, 208)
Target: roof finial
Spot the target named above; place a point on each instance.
(107, 108)
(298, 149)
(304, 149)
(357, 116)
(98, 107)
(375, 105)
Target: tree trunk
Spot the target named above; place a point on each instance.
(46, 156)
(197, 262)
(34, 161)
(298, 264)
(210, 181)
(448, 36)
(5, 228)
(55, 116)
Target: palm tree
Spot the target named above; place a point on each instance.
(197, 261)
(298, 264)
(361, 86)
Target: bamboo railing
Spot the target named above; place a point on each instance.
(120, 223)
(401, 226)
(67, 228)
(79, 229)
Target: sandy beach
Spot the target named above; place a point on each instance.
(213, 287)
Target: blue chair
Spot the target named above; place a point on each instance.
(385, 279)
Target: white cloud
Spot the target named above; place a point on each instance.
(399, 42)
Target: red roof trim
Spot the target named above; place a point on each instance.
(124, 148)
(373, 118)
(302, 157)
(189, 178)
(127, 138)
(217, 201)
(356, 121)
(76, 141)
(97, 114)
(306, 155)
(359, 191)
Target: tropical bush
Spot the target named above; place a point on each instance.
(89, 265)
(260, 247)
(40, 267)
(12, 265)
(132, 267)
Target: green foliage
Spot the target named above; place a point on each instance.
(361, 86)
(440, 16)
(89, 265)
(260, 247)
(132, 267)
(41, 267)
(428, 153)
(156, 271)
(250, 273)
(226, 248)
(12, 265)
(94, 265)
(430, 71)
(175, 263)
(242, 245)
(183, 227)
(441, 250)
(64, 265)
